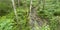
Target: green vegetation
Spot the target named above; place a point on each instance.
(50, 11)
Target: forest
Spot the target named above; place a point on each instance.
(29, 14)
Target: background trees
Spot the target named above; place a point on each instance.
(47, 10)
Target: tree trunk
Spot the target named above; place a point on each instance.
(14, 7)
(35, 21)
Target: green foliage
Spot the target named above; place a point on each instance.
(5, 7)
(6, 24)
(51, 13)
(23, 16)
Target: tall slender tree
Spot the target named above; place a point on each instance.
(14, 7)
(30, 17)
(34, 19)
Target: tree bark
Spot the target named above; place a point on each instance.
(35, 21)
(14, 7)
